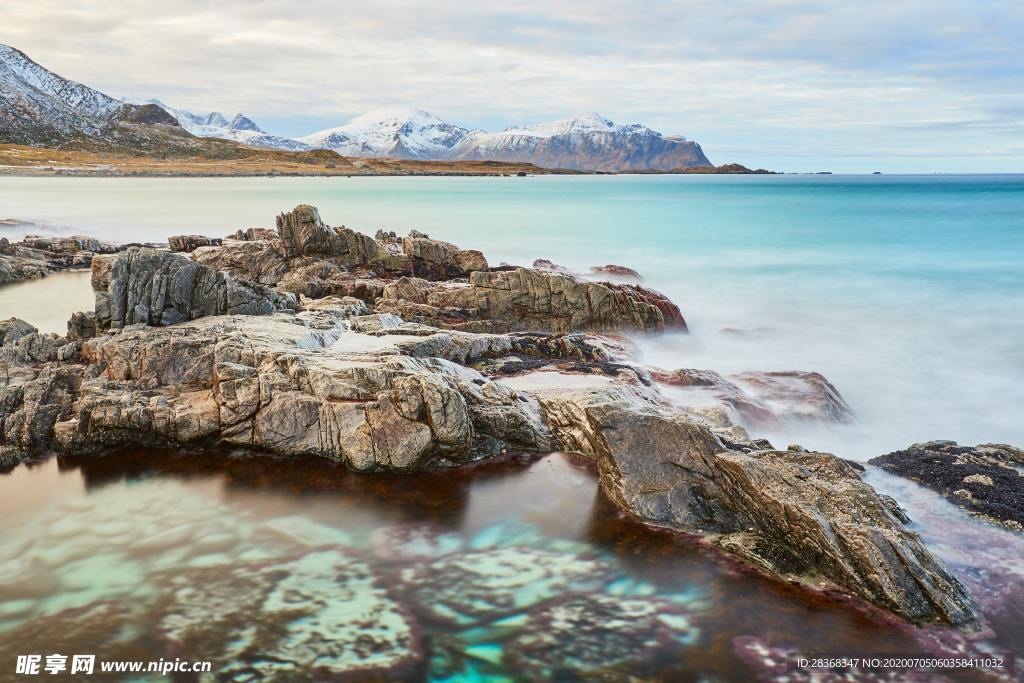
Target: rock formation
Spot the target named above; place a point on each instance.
(765, 400)
(191, 242)
(987, 479)
(36, 257)
(155, 287)
(179, 352)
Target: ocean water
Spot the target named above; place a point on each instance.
(907, 292)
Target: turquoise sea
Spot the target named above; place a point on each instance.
(906, 291)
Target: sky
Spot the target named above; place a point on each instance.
(894, 85)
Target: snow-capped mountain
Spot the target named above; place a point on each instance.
(35, 102)
(240, 129)
(588, 142)
(39, 107)
(406, 134)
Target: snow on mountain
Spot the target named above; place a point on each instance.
(240, 129)
(407, 134)
(587, 142)
(36, 103)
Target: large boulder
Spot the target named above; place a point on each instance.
(986, 480)
(271, 383)
(304, 234)
(802, 515)
(525, 300)
(156, 287)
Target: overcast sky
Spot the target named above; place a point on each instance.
(918, 85)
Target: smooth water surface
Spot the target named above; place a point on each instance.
(48, 303)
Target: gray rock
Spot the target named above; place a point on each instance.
(155, 287)
(804, 515)
(986, 480)
(192, 242)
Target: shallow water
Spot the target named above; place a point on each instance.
(126, 529)
(49, 302)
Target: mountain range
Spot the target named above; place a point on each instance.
(41, 108)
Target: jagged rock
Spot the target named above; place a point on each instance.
(324, 278)
(191, 242)
(262, 261)
(304, 234)
(162, 288)
(765, 400)
(269, 382)
(804, 515)
(987, 479)
(321, 616)
(250, 234)
(530, 300)
(82, 326)
(14, 329)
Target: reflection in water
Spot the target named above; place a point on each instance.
(48, 303)
(280, 568)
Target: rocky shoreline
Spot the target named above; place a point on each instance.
(402, 354)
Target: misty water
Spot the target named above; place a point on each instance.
(905, 291)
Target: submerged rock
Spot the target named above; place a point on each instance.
(318, 617)
(987, 479)
(481, 585)
(598, 636)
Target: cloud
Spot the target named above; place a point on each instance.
(747, 78)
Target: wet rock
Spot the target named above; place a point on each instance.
(321, 616)
(546, 266)
(529, 300)
(482, 585)
(108, 630)
(598, 637)
(764, 400)
(616, 272)
(987, 479)
(799, 515)
(192, 242)
(162, 288)
(268, 382)
(413, 543)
